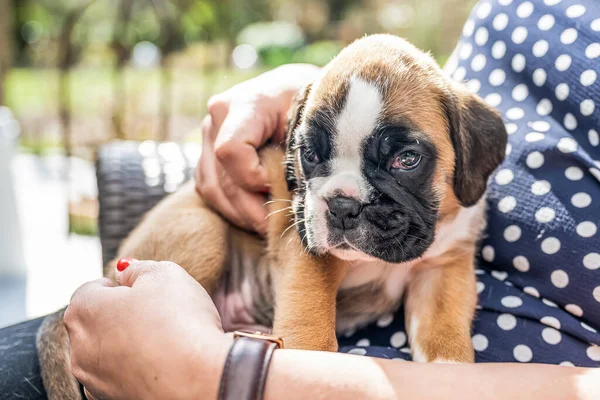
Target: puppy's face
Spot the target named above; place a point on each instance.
(381, 148)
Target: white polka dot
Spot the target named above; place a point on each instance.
(480, 342)
(478, 62)
(500, 22)
(593, 352)
(570, 121)
(398, 339)
(581, 200)
(522, 353)
(358, 351)
(546, 22)
(520, 92)
(562, 91)
(480, 287)
(504, 177)
(497, 77)
(484, 10)
(551, 2)
(567, 145)
(596, 293)
(586, 229)
(468, 28)
(540, 126)
(550, 245)
(566, 364)
(588, 77)
(507, 204)
(559, 278)
(521, 263)
(539, 77)
(363, 343)
(540, 48)
(511, 128)
(488, 253)
(535, 159)
(405, 350)
(544, 107)
(549, 303)
(505, 2)
(533, 137)
(595, 172)
(587, 327)
(540, 188)
(519, 35)
(493, 99)
(473, 85)
(508, 149)
(563, 62)
(593, 138)
(515, 113)
(568, 36)
(587, 107)
(530, 290)
(525, 9)
(593, 51)
(481, 36)
(512, 233)
(511, 302)
(574, 173)
(591, 261)
(545, 215)
(575, 11)
(459, 74)
(518, 63)
(551, 321)
(506, 322)
(498, 49)
(385, 320)
(551, 336)
(574, 309)
(595, 25)
(500, 275)
(465, 51)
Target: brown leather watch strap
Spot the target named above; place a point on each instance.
(245, 371)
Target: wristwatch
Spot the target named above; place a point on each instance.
(245, 371)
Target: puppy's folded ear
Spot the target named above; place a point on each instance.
(479, 138)
(294, 117)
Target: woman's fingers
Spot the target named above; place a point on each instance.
(244, 130)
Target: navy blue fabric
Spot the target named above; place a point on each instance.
(538, 62)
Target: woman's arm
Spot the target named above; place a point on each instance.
(299, 375)
(159, 335)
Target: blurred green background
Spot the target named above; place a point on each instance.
(78, 73)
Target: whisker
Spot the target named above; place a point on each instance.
(277, 211)
(291, 226)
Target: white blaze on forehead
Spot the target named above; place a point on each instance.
(357, 121)
(358, 118)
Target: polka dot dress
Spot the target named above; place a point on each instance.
(538, 273)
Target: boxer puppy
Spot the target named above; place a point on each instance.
(380, 200)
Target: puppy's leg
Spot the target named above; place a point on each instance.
(181, 229)
(440, 305)
(53, 351)
(305, 298)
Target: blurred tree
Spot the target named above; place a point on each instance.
(6, 42)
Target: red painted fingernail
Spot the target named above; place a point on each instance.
(123, 263)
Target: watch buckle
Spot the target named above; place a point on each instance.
(261, 336)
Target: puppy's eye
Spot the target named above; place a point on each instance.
(310, 157)
(406, 160)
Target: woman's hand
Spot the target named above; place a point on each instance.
(156, 336)
(229, 175)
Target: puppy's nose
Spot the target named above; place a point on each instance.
(343, 212)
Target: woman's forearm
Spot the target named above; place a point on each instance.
(300, 375)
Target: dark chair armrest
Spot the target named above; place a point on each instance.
(132, 178)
